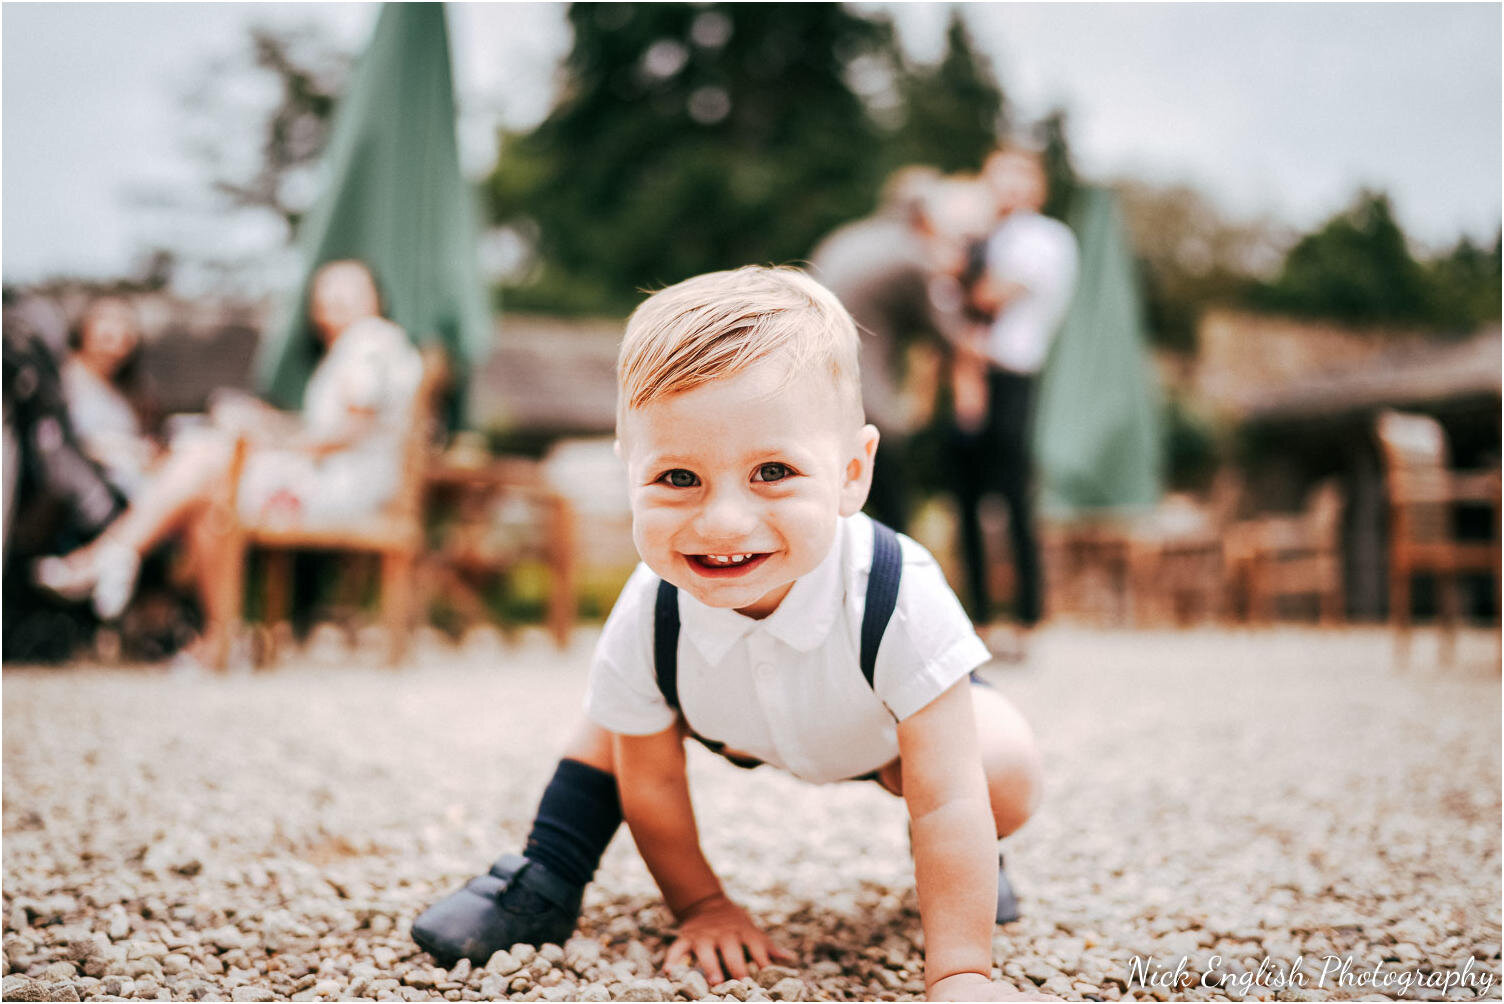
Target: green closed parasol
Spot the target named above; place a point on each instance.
(1097, 441)
(394, 198)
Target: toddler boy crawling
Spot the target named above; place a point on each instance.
(775, 623)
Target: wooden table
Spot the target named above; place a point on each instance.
(466, 552)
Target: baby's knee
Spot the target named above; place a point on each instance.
(1015, 785)
(1010, 757)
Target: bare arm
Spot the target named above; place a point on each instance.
(955, 841)
(946, 301)
(996, 295)
(655, 802)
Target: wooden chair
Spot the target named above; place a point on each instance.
(1089, 570)
(1273, 557)
(1176, 563)
(395, 534)
(1423, 496)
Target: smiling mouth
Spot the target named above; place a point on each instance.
(725, 565)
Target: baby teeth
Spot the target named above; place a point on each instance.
(728, 559)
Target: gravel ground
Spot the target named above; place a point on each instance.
(1228, 804)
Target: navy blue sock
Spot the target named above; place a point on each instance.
(577, 817)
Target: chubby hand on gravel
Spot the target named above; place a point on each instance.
(976, 987)
(716, 929)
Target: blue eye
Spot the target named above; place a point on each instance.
(772, 472)
(679, 478)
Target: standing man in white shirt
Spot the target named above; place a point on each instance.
(1031, 265)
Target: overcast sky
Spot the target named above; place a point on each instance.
(1283, 110)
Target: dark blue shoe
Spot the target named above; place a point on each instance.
(1007, 903)
(517, 902)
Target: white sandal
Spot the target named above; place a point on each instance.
(68, 580)
(115, 567)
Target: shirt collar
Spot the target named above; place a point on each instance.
(802, 621)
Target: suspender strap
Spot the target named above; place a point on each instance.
(666, 642)
(666, 663)
(882, 595)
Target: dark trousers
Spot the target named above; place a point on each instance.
(995, 458)
(888, 499)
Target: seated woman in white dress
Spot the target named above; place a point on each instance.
(338, 461)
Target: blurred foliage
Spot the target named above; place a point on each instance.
(1357, 269)
(1191, 257)
(1192, 450)
(255, 120)
(299, 77)
(690, 138)
(949, 114)
(1059, 169)
(521, 597)
(1465, 285)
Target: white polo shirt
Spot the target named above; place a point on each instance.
(1039, 254)
(788, 689)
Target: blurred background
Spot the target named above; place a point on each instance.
(1289, 220)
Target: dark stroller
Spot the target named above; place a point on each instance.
(56, 499)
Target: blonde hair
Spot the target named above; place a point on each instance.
(715, 325)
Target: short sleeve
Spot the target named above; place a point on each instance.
(622, 695)
(1038, 254)
(930, 643)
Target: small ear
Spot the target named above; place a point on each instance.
(858, 480)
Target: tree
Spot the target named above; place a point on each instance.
(950, 114)
(690, 138)
(1464, 286)
(1356, 269)
(1059, 169)
(306, 75)
(256, 120)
